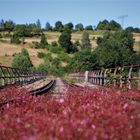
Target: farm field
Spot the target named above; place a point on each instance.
(99, 113)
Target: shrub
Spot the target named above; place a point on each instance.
(54, 43)
(55, 49)
(15, 39)
(43, 42)
(35, 44)
(43, 68)
(22, 60)
(41, 55)
(48, 57)
(64, 57)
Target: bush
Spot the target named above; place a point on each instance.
(48, 57)
(55, 49)
(22, 60)
(15, 39)
(64, 57)
(59, 71)
(41, 55)
(35, 45)
(54, 43)
(42, 44)
(43, 68)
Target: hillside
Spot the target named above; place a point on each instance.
(8, 50)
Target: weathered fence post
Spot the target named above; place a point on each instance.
(3, 76)
(86, 76)
(129, 77)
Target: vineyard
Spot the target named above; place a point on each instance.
(79, 113)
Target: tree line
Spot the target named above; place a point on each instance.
(59, 26)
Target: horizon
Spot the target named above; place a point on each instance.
(87, 12)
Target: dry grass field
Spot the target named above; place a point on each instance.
(7, 50)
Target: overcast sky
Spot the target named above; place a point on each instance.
(88, 12)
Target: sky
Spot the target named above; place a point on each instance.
(87, 12)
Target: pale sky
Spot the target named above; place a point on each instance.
(88, 12)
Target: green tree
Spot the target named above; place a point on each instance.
(89, 27)
(2, 25)
(79, 27)
(43, 42)
(115, 49)
(48, 27)
(65, 40)
(15, 39)
(103, 25)
(38, 23)
(106, 25)
(69, 26)
(85, 40)
(9, 25)
(20, 30)
(113, 25)
(22, 60)
(82, 61)
(58, 26)
(36, 31)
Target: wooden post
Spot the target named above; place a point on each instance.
(101, 77)
(121, 82)
(3, 76)
(105, 76)
(86, 76)
(129, 77)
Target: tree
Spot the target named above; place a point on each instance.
(22, 61)
(69, 26)
(48, 27)
(65, 41)
(43, 42)
(114, 49)
(85, 40)
(82, 61)
(9, 25)
(131, 29)
(15, 39)
(38, 23)
(20, 30)
(89, 27)
(103, 25)
(106, 25)
(2, 25)
(113, 25)
(58, 26)
(79, 27)
(37, 31)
